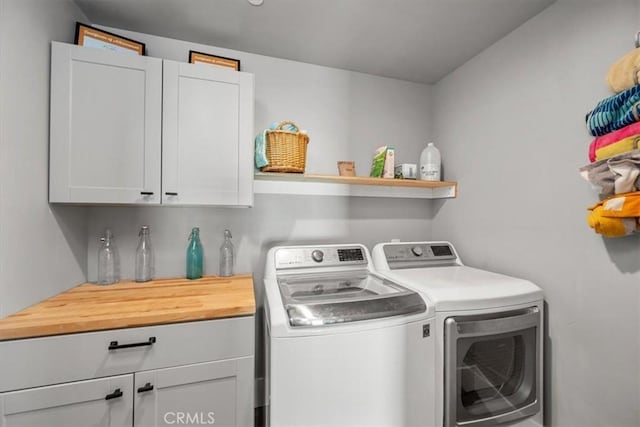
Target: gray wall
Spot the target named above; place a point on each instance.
(510, 125)
(42, 249)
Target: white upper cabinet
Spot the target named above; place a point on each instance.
(105, 138)
(128, 129)
(207, 141)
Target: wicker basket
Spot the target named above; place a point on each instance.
(286, 150)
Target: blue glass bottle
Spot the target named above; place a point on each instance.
(194, 255)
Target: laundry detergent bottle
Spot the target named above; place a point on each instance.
(430, 163)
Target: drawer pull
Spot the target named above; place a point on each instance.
(146, 387)
(171, 193)
(113, 345)
(146, 193)
(116, 393)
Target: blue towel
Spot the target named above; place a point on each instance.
(615, 112)
(261, 150)
(261, 143)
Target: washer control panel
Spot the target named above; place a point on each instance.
(317, 255)
(301, 257)
(419, 255)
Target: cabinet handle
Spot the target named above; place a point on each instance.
(146, 193)
(146, 387)
(170, 193)
(113, 345)
(116, 393)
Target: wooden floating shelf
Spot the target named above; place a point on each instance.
(358, 186)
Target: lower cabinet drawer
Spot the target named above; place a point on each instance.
(50, 360)
(104, 402)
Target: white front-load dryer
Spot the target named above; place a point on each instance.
(489, 335)
(344, 346)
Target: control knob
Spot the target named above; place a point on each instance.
(417, 250)
(317, 255)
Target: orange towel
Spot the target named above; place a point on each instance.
(616, 216)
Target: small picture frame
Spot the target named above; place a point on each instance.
(87, 35)
(346, 168)
(220, 61)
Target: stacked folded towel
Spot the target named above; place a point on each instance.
(617, 175)
(615, 152)
(625, 73)
(617, 216)
(614, 143)
(615, 112)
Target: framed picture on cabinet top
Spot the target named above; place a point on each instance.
(220, 61)
(89, 36)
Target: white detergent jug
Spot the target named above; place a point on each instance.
(430, 163)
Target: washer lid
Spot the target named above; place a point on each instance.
(315, 300)
(466, 288)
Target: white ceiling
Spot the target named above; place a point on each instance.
(414, 40)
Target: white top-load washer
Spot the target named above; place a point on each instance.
(344, 346)
(489, 335)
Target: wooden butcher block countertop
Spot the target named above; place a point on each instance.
(89, 307)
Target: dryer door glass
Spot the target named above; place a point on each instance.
(492, 372)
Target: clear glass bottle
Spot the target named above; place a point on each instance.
(195, 255)
(108, 260)
(144, 256)
(226, 255)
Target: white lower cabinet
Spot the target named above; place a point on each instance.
(201, 394)
(188, 374)
(103, 402)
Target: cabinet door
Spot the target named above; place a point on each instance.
(207, 135)
(213, 393)
(105, 137)
(102, 402)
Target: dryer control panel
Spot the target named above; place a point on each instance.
(321, 256)
(419, 255)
